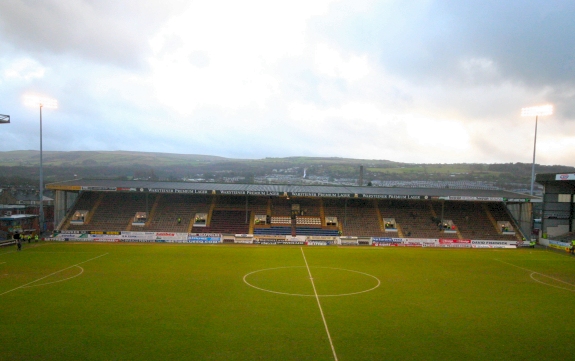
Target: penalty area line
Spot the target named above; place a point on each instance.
(319, 305)
(51, 274)
(538, 273)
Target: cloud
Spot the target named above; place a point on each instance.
(420, 81)
(102, 31)
(427, 40)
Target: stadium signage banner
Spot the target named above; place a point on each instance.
(203, 239)
(88, 237)
(304, 194)
(138, 236)
(318, 243)
(104, 238)
(494, 244)
(391, 196)
(454, 243)
(348, 241)
(421, 242)
(565, 177)
(296, 239)
(338, 195)
(262, 193)
(477, 199)
(244, 238)
(67, 236)
(386, 240)
(97, 188)
(191, 191)
(174, 190)
(559, 245)
(171, 237)
(320, 238)
(289, 240)
(269, 239)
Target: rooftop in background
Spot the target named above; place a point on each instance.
(293, 190)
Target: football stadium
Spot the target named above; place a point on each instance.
(186, 271)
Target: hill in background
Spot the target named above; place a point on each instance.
(23, 167)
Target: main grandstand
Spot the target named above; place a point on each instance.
(247, 212)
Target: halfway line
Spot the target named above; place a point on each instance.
(51, 274)
(319, 305)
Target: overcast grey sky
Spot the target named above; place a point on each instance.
(411, 81)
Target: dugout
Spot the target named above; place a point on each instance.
(558, 205)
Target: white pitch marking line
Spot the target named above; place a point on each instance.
(51, 274)
(62, 280)
(534, 272)
(300, 295)
(547, 284)
(319, 305)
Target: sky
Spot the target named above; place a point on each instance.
(418, 81)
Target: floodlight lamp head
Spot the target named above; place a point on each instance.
(34, 101)
(537, 111)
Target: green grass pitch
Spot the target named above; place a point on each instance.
(65, 301)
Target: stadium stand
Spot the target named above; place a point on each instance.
(226, 222)
(110, 211)
(269, 211)
(174, 212)
(358, 217)
(412, 217)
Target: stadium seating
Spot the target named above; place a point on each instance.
(226, 222)
(414, 218)
(114, 211)
(110, 211)
(174, 212)
(358, 218)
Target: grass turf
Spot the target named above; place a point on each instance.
(190, 302)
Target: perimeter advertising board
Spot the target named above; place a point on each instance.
(318, 240)
(564, 246)
(493, 244)
(171, 237)
(403, 242)
(347, 241)
(138, 236)
(386, 241)
(269, 239)
(88, 236)
(204, 238)
(244, 238)
(419, 242)
(454, 243)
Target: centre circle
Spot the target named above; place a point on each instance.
(296, 281)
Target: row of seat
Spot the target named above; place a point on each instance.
(356, 217)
